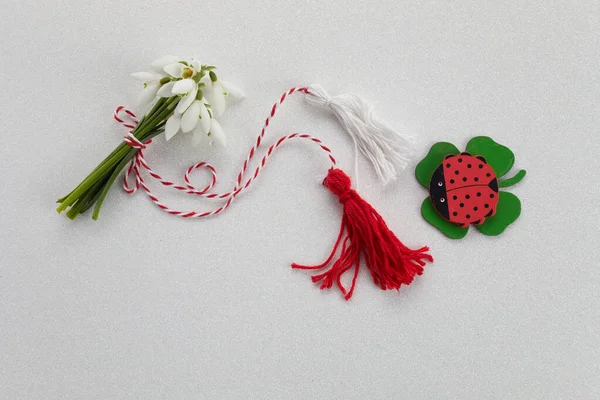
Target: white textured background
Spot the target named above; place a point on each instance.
(143, 305)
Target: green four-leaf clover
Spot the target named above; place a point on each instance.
(501, 160)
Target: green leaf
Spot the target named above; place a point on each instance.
(514, 180)
(425, 169)
(449, 229)
(507, 212)
(499, 157)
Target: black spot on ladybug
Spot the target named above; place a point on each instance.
(448, 165)
(486, 205)
(456, 172)
(490, 213)
(476, 179)
(469, 165)
(480, 166)
(451, 180)
(465, 153)
(467, 197)
(475, 208)
(462, 205)
(464, 179)
(488, 174)
(461, 225)
(491, 195)
(478, 222)
(449, 156)
(481, 158)
(468, 216)
(455, 213)
(478, 194)
(494, 185)
(454, 197)
(460, 160)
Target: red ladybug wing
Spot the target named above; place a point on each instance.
(466, 170)
(471, 204)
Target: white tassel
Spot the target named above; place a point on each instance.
(387, 150)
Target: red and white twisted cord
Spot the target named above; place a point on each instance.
(138, 164)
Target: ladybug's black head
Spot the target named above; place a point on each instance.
(437, 192)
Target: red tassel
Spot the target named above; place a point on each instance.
(391, 263)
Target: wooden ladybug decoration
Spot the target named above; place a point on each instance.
(464, 189)
(469, 189)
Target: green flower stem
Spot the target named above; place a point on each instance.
(102, 194)
(111, 179)
(95, 191)
(512, 181)
(83, 202)
(97, 174)
(100, 167)
(95, 186)
(159, 106)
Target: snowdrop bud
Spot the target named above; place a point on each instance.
(216, 133)
(187, 100)
(144, 76)
(172, 126)
(218, 98)
(164, 80)
(166, 90)
(160, 63)
(233, 92)
(204, 117)
(213, 76)
(189, 120)
(183, 86)
(198, 136)
(148, 94)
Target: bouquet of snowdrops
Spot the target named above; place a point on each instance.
(188, 97)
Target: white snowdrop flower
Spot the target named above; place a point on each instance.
(184, 71)
(172, 126)
(187, 99)
(216, 133)
(166, 90)
(196, 115)
(151, 85)
(216, 95)
(199, 95)
(148, 93)
(192, 116)
(158, 65)
(232, 92)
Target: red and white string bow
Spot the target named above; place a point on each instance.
(129, 120)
